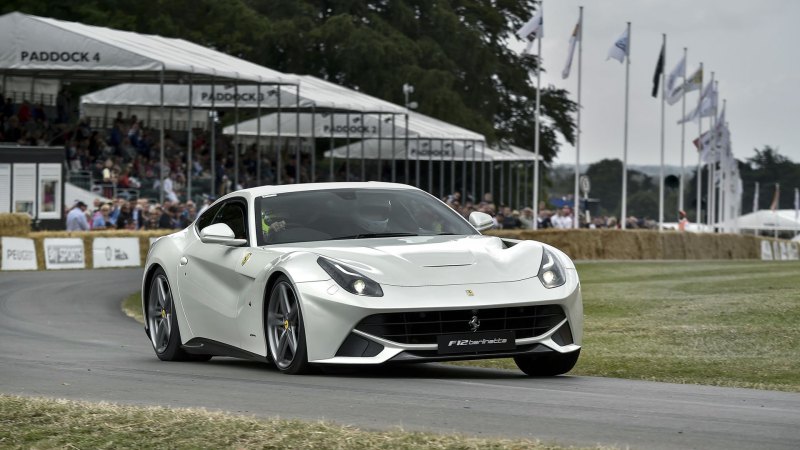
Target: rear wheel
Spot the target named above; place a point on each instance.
(285, 330)
(162, 323)
(547, 364)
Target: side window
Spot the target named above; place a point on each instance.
(234, 214)
(207, 218)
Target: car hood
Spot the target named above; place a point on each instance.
(432, 260)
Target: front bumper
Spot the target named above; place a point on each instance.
(331, 314)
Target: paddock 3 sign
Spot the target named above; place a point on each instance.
(18, 254)
(115, 252)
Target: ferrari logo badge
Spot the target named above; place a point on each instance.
(474, 324)
(246, 257)
(470, 293)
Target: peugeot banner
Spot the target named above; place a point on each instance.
(18, 254)
(115, 252)
(64, 253)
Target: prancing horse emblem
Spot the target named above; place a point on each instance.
(474, 324)
(246, 257)
(470, 293)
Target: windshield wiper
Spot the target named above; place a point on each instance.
(374, 235)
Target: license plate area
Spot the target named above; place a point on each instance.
(488, 341)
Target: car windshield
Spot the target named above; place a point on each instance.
(322, 215)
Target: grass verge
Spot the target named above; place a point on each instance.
(722, 323)
(132, 307)
(45, 423)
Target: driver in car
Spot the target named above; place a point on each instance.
(268, 225)
(373, 214)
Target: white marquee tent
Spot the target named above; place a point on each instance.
(765, 219)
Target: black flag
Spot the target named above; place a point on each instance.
(659, 71)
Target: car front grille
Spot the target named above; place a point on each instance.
(423, 327)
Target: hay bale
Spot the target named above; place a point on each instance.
(15, 224)
(88, 237)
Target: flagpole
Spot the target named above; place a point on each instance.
(624, 215)
(712, 166)
(683, 134)
(699, 219)
(576, 215)
(723, 168)
(535, 224)
(663, 102)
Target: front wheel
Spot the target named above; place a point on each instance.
(285, 330)
(547, 364)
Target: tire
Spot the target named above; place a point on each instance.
(286, 337)
(162, 324)
(548, 364)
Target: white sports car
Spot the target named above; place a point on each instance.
(306, 275)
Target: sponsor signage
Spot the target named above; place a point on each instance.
(18, 254)
(64, 253)
(766, 250)
(115, 252)
(476, 342)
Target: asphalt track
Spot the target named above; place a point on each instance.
(62, 335)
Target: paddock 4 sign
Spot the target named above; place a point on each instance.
(115, 252)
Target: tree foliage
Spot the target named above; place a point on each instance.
(454, 52)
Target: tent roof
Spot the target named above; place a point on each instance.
(435, 150)
(313, 92)
(419, 126)
(765, 219)
(50, 48)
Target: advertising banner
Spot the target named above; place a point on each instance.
(18, 254)
(766, 250)
(115, 252)
(64, 253)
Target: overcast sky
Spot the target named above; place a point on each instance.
(752, 46)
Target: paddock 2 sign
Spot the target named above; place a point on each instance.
(18, 254)
(115, 252)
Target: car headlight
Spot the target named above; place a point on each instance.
(350, 279)
(551, 273)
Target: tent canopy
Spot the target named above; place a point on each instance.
(419, 126)
(765, 219)
(47, 48)
(314, 93)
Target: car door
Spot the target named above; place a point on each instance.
(210, 285)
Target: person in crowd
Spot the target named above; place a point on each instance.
(76, 218)
(102, 221)
(544, 219)
(563, 219)
(526, 218)
(682, 220)
(167, 219)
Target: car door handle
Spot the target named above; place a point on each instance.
(184, 260)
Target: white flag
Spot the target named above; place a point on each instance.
(692, 83)
(576, 35)
(673, 76)
(707, 107)
(532, 29)
(619, 50)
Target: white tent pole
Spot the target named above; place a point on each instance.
(453, 168)
(189, 142)
(430, 166)
(406, 144)
(313, 142)
(663, 110)
(363, 159)
(624, 214)
(333, 145)
(483, 171)
(212, 116)
(416, 165)
(474, 169)
(464, 176)
(394, 147)
(441, 167)
(683, 136)
(524, 184)
(297, 131)
(577, 207)
(236, 136)
(502, 182)
(347, 156)
(258, 134)
(279, 157)
(491, 180)
(161, 137)
(380, 147)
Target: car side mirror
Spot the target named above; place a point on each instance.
(481, 221)
(220, 233)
